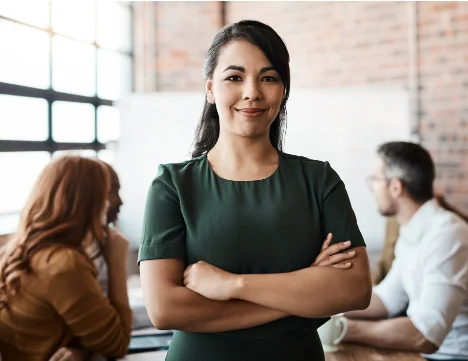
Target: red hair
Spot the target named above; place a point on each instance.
(65, 206)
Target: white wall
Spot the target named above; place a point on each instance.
(342, 126)
(155, 128)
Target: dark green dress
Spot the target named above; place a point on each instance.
(272, 225)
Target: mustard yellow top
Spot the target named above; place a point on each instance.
(58, 301)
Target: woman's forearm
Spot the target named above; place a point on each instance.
(312, 292)
(117, 283)
(185, 310)
(170, 305)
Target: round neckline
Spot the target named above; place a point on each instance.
(246, 181)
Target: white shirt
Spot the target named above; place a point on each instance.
(429, 278)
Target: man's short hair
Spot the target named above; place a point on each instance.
(413, 165)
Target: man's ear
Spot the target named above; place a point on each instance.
(396, 187)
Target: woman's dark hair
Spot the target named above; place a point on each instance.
(270, 43)
(413, 165)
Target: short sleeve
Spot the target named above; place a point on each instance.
(164, 227)
(338, 215)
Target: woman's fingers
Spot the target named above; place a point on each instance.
(331, 250)
(187, 271)
(343, 265)
(60, 355)
(337, 258)
(327, 241)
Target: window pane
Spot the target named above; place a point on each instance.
(114, 23)
(88, 153)
(73, 122)
(23, 118)
(24, 58)
(73, 67)
(9, 223)
(74, 19)
(20, 170)
(108, 123)
(30, 12)
(106, 155)
(114, 75)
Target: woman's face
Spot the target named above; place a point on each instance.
(104, 212)
(246, 89)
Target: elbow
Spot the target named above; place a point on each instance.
(363, 296)
(427, 347)
(161, 322)
(121, 350)
(161, 318)
(118, 349)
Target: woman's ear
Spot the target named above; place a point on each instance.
(209, 92)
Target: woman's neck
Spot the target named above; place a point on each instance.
(233, 149)
(241, 158)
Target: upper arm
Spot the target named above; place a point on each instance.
(391, 292)
(162, 252)
(75, 294)
(163, 235)
(445, 284)
(340, 220)
(338, 215)
(157, 278)
(359, 275)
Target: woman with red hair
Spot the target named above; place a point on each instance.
(49, 293)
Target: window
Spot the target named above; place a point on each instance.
(63, 65)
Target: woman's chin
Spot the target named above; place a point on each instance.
(252, 130)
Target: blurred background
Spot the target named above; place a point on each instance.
(122, 81)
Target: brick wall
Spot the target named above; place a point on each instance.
(334, 43)
(443, 70)
(184, 31)
(366, 43)
(346, 44)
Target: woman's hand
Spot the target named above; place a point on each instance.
(331, 256)
(210, 281)
(115, 249)
(69, 354)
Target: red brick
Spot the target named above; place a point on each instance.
(336, 44)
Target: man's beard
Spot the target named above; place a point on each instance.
(389, 212)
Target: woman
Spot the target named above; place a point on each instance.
(49, 293)
(249, 220)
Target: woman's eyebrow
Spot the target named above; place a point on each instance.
(242, 69)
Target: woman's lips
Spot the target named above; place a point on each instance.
(251, 112)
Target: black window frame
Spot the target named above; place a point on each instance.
(51, 96)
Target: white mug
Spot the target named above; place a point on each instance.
(333, 332)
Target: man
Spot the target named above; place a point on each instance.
(429, 276)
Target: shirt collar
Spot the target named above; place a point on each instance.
(419, 223)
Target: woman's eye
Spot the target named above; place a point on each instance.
(269, 78)
(234, 78)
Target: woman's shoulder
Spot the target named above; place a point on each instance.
(299, 159)
(185, 165)
(172, 172)
(307, 164)
(316, 171)
(57, 260)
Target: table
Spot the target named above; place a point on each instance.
(346, 353)
(350, 352)
(147, 356)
